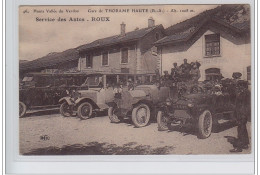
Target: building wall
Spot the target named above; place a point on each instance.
(114, 60)
(148, 61)
(142, 56)
(233, 57)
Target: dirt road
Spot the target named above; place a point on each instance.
(52, 134)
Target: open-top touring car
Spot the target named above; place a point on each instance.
(93, 95)
(138, 104)
(202, 105)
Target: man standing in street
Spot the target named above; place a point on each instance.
(242, 111)
(157, 78)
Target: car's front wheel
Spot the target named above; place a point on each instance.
(141, 115)
(205, 124)
(65, 110)
(113, 118)
(85, 110)
(22, 109)
(162, 121)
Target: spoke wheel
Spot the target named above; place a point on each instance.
(111, 114)
(162, 121)
(22, 109)
(85, 110)
(205, 124)
(141, 115)
(65, 110)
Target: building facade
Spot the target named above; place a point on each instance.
(221, 47)
(126, 53)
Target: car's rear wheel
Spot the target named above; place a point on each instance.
(113, 118)
(22, 109)
(162, 121)
(205, 125)
(141, 115)
(65, 110)
(85, 110)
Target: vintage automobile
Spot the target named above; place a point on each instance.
(138, 104)
(92, 96)
(43, 90)
(202, 105)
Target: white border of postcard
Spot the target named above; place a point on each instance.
(179, 164)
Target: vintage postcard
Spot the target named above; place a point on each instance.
(135, 80)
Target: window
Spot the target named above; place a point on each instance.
(124, 70)
(105, 59)
(212, 44)
(248, 70)
(89, 61)
(212, 74)
(124, 56)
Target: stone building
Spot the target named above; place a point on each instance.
(128, 53)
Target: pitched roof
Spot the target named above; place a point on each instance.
(116, 39)
(51, 59)
(56, 58)
(236, 17)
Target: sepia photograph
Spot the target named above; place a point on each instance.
(135, 80)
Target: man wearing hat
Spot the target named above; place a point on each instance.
(175, 72)
(130, 84)
(195, 73)
(185, 67)
(166, 78)
(242, 111)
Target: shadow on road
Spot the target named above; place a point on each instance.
(219, 127)
(189, 129)
(96, 148)
(41, 112)
(37, 113)
(185, 130)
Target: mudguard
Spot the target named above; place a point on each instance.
(137, 93)
(100, 106)
(103, 106)
(82, 98)
(67, 99)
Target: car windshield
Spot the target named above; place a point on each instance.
(93, 81)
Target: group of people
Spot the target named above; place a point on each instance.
(186, 72)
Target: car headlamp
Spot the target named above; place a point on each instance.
(75, 95)
(190, 105)
(168, 102)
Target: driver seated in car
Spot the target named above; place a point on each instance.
(118, 90)
(217, 90)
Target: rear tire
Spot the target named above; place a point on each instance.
(22, 109)
(113, 118)
(141, 115)
(85, 110)
(64, 110)
(205, 125)
(162, 122)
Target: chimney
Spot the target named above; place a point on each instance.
(122, 29)
(150, 22)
